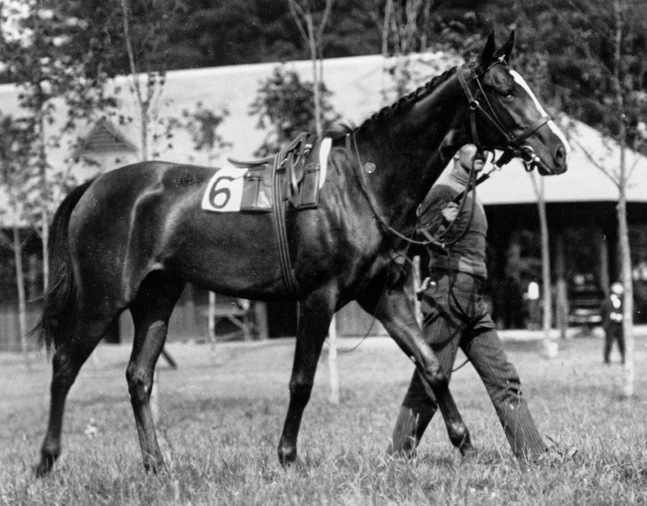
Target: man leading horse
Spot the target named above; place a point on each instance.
(455, 314)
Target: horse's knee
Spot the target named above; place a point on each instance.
(435, 378)
(140, 382)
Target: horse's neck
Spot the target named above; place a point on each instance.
(410, 152)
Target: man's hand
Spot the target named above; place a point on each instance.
(450, 212)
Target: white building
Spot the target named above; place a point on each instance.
(358, 85)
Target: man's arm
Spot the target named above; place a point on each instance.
(438, 210)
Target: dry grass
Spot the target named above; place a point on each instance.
(223, 412)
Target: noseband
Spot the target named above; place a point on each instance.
(513, 145)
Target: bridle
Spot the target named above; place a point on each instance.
(513, 147)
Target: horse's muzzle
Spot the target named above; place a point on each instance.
(558, 165)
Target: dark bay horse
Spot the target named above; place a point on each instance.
(133, 237)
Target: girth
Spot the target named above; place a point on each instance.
(278, 219)
(276, 181)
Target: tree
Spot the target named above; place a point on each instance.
(202, 125)
(285, 105)
(416, 45)
(597, 73)
(312, 35)
(232, 32)
(622, 96)
(547, 297)
(34, 41)
(143, 43)
(15, 139)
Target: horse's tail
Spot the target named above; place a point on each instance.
(59, 307)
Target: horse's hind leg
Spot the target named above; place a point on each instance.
(151, 312)
(314, 319)
(66, 363)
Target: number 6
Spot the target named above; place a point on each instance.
(219, 196)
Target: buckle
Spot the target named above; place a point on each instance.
(528, 157)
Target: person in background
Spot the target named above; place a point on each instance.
(454, 314)
(612, 312)
(532, 295)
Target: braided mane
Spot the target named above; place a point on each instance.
(413, 97)
(389, 111)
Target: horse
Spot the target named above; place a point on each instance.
(133, 237)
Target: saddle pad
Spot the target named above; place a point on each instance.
(224, 192)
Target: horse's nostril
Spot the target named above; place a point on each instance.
(560, 155)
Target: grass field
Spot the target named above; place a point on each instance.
(222, 414)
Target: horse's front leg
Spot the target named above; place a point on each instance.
(396, 312)
(315, 315)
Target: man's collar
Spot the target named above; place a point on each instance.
(460, 175)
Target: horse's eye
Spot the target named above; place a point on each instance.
(508, 97)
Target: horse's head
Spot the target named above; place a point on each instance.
(505, 113)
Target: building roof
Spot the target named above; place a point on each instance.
(357, 85)
(592, 174)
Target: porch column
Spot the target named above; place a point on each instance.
(561, 287)
(260, 316)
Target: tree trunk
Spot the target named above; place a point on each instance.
(623, 228)
(425, 23)
(388, 9)
(211, 323)
(315, 74)
(333, 368)
(44, 202)
(545, 261)
(625, 255)
(22, 299)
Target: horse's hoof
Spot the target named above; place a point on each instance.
(465, 446)
(43, 468)
(469, 453)
(287, 456)
(406, 450)
(153, 465)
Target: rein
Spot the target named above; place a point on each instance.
(385, 228)
(359, 173)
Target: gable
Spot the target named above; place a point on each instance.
(105, 138)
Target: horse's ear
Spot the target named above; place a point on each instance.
(505, 51)
(488, 51)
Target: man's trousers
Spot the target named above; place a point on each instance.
(455, 315)
(614, 332)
